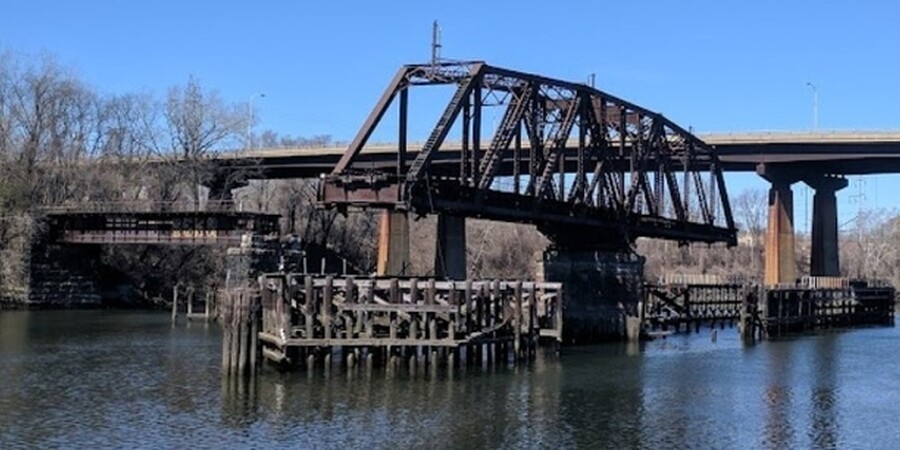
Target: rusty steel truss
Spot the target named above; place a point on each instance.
(589, 169)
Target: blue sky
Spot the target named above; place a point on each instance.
(712, 65)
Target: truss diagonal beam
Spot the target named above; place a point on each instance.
(624, 161)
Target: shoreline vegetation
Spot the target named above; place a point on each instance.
(65, 143)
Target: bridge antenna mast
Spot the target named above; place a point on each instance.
(435, 43)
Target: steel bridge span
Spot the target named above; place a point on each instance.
(592, 171)
(632, 172)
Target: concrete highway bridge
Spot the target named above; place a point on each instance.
(844, 152)
(820, 159)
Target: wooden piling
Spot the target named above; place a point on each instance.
(517, 331)
(533, 333)
(394, 298)
(470, 322)
(430, 300)
(327, 298)
(243, 333)
(227, 337)
(558, 317)
(174, 303)
(234, 325)
(254, 318)
(309, 307)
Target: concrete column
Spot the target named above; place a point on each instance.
(603, 293)
(218, 193)
(824, 258)
(450, 249)
(781, 262)
(393, 244)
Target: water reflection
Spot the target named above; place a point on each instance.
(129, 379)
(14, 331)
(779, 432)
(824, 431)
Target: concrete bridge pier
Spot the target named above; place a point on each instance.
(824, 255)
(781, 260)
(221, 190)
(393, 244)
(603, 279)
(780, 264)
(450, 251)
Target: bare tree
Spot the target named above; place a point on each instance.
(198, 126)
(271, 139)
(751, 208)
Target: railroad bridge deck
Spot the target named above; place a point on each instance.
(157, 224)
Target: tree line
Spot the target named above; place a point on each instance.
(64, 143)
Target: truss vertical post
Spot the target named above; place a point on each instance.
(623, 141)
(580, 172)
(464, 151)
(517, 155)
(476, 127)
(688, 156)
(402, 132)
(561, 161)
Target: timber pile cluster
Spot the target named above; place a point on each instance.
(811, 303)
(827, 302)
(239, 316)
(312, 321)
(696, 303)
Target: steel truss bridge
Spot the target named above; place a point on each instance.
(634, 172)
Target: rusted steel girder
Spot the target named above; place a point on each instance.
(635, 173)
(158, 227)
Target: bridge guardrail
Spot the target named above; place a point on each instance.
(140, 206)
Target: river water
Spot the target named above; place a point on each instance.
(126, 379)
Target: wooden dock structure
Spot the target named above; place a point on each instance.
(812, 303)
(826, 302)
(312, 320)
(691, 301)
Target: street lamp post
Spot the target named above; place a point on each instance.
(250, 119)
(815, 127)
(815, 105)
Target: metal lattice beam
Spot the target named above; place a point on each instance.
(623, 181)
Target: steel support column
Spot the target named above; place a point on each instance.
(393, 244)
(781, 263)
(450, 249)
(824, 257)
